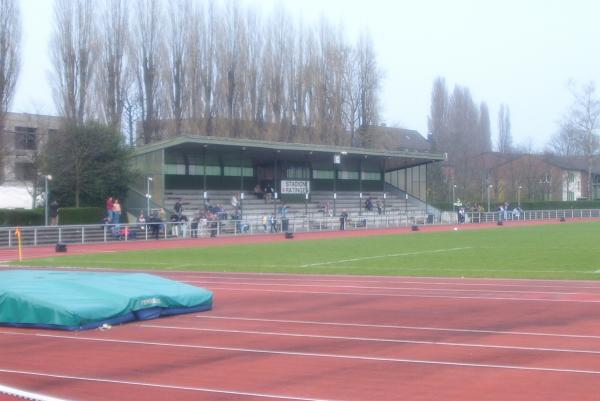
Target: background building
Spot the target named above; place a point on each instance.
(25, 136)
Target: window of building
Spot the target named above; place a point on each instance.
(323, 174)
(348, 175)
(371, 176)
(24, 171)
(298, 173)
(232, 171)
(25, 138)
(175, 169)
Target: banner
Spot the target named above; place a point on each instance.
(295, 187)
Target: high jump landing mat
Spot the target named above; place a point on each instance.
(87, 300)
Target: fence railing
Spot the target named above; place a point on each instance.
(104, 233)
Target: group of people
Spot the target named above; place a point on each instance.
(113, 211)
(371, 203)
(267, 193)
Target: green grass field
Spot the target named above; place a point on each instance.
(566, 251)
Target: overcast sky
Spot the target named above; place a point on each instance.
(519, 52)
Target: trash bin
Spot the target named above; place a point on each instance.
(430, 219)
(285, 224)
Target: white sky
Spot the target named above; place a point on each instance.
(519, 52)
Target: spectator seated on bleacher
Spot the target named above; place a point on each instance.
(123, 233)
(258, 192)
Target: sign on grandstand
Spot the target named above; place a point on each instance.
(295, 187)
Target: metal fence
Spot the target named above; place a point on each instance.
(104, 233)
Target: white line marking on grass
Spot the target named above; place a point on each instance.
(381, 340)
(15, 392)
(393, 255)
(389, 326)
(162, 386)
(583, 301)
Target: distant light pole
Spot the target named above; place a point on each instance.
(519, 196)
(148, 196)
(453, 198)
(488, 195)
(46, 196)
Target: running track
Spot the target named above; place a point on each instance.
(308, 337)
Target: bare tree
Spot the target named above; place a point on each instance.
(464, 142)
(484, 131)
(584, 117)
(111, 84)
(438, 134)
(504, 134)
(74, 54)
(208, 44)
(146, 51)
(438, 116)
(10, 62)
(351, 96)
(177, 69)
(568, 141)
(370, 82)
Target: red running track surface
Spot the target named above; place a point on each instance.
(314, 337)
(331, 338)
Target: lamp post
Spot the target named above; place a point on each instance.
(488, 196)
(454, 198)
(46, 196)
(148, 196)
(337, 160)
(519, 196)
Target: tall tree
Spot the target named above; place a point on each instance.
(438, 134)
(74, 54)
(112, 78)
(147, 50)
(485, 132)
(438, 115)
(584, 117)
(504, 130)
(178, 64)
(10, 62)
(465, 144)
(370, 83)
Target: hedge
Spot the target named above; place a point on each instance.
(533, 205)
(21, 217)
(66, 216)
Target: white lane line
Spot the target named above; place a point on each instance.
(393, 255)
(162, 386)
(370, 339)
(327, 356)
(15, 392)
(468, 282)
(583, 301)
(386, 288)
(388, 326)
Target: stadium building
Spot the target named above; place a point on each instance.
(307, 178)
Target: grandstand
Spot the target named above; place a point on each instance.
(312, 181)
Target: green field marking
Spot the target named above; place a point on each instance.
(560, 251)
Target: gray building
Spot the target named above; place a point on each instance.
(24, 138)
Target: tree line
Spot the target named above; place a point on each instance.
(461, 129)
(157, 69)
